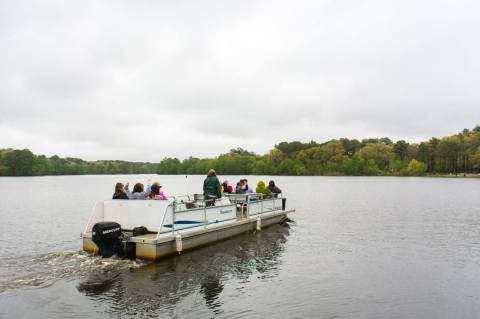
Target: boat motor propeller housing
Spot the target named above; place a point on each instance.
(106, 235)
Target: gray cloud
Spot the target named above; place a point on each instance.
(143, 80)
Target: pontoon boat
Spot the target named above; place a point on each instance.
(153, 229)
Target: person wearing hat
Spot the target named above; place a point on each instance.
(211, 188)
(156, 193)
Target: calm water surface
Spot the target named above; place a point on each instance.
(360, 247)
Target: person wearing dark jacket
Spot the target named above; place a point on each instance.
(274, 189)
(211, 188)
(120, 192)
(239, 189)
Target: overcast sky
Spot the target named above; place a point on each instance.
(143, 80)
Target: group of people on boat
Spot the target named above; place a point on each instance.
(139, 191)
(213, 189)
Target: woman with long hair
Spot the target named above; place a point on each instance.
(120, 192)
(138, 191)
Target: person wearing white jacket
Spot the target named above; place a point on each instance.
(138, 191)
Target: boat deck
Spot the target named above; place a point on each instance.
(186, 229)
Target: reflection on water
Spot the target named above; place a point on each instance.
(158, 287)
(211, 288)
(100, 281)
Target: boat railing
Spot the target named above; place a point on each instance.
(249, 204)
(172, 205)
(246, 201)
(267, 203)
(180, 197)
(210, 211)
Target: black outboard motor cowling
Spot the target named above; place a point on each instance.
(106, 235)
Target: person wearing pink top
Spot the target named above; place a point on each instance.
(156, 193)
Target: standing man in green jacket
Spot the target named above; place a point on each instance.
(211, 188)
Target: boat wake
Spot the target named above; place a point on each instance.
(43, 271)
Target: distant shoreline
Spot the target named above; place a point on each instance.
(449, 156)
(468, 175)
(333, 175)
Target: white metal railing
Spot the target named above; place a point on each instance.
(254, 198)
(197, 214)
(172, 204)
(205, 205)
(179, 197)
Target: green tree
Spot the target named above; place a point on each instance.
(398, 167)
(416, 168)
(333, 151)
(475, 158)
(401, 149)
(350, 146)
(312, 159)
(42, 166)
(20, 162)
(290, 148)
(292, 167)
(354, 165)
(371, 169)
(276, 156)
(447, 153)
(380, 154)
(425, 154)
(169, 166)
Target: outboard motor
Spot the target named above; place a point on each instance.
(106, 235)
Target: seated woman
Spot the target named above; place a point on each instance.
(138, 191)
(262, 189)
(246, 188)
(227, 188)
(239, 189)
(155, 193)
(120, 192)
(274, 189)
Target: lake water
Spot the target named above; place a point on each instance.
(360, 247)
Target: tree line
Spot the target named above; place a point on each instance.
(456, 154)
(25, 163)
